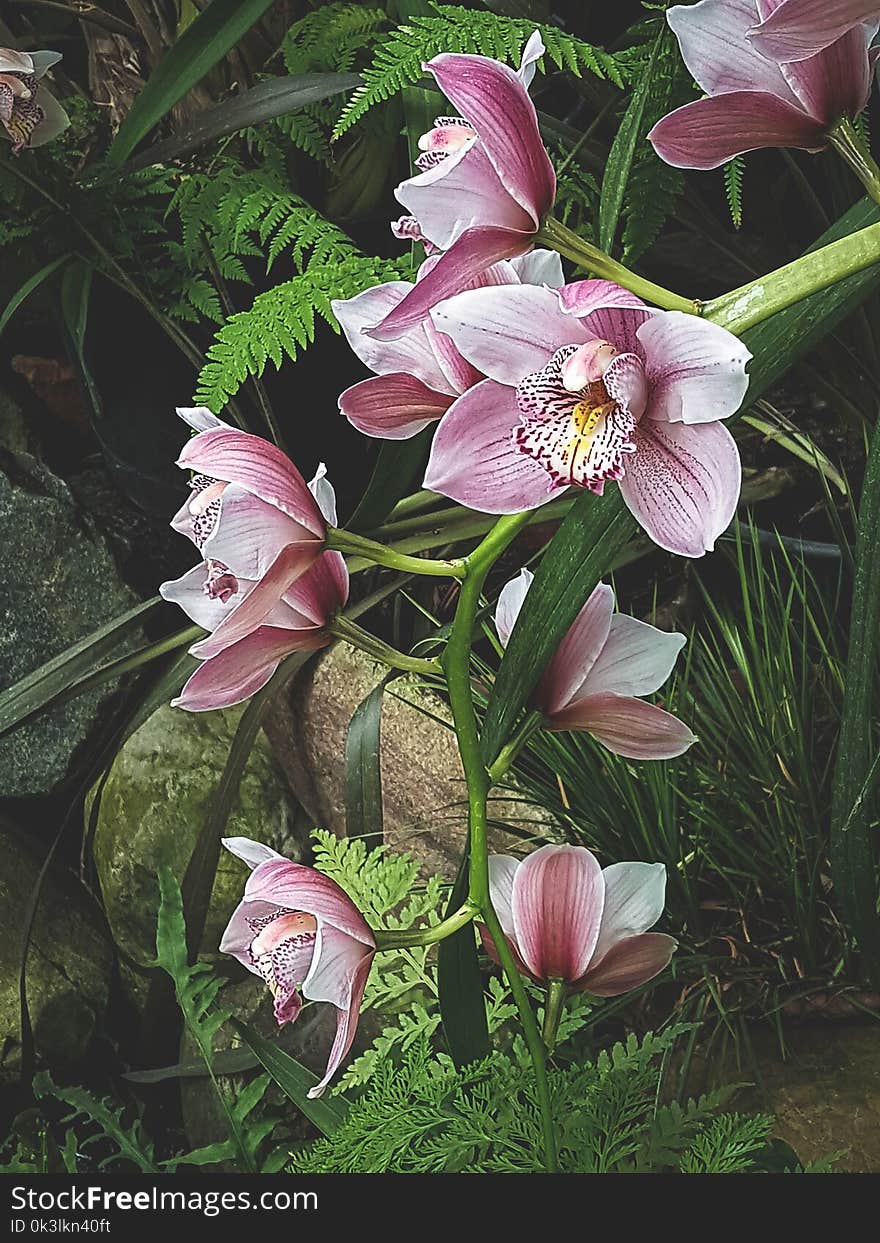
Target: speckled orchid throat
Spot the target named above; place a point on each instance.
(579, 412)
(282, 951)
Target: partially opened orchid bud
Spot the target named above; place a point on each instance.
(567, 919)
(29, 113)
(265, 587)
(604, 664)
(485, 183)
(752, 99)
(301, 933)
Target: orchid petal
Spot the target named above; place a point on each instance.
(797, 29)
(582, 297)
(299, 888)
(249, 534)
(410, 353)
(837, 82)
(709, 132)
(321, 591)
(578, 652)
(531, 54)
(558, 894)
(712, 38)
(510, 601)
(12, 61)
(250, 852)
(346, 1025)
(291, 562)
(393, 407)
(628, 965)
(507, 331)
(494, 100)
(682, 484)
(243, 668)
(461, 192)
(201, 419)
(325, 494)
(474, 459)
(477, 249)
(44, 61)
(617, 322)
(502, 872)
(627, 726)
(258, 467)
(635, 894)
(539, 267)
(696, 370)
(636, 659)
(188, 593)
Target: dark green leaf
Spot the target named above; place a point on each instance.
(38, 689)
(204, 42)
(32, 283)
(264, 102)
(398, 470)
(363, 769)
(460, 985)
(295, 1081)
(623, 150)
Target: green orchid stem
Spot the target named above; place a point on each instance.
(456, 661)
(378, 554)
(344, 628)
(751, 304)
(847, 142)
(553, 1006)
(388, 939)
(555, 235)
(508, 753)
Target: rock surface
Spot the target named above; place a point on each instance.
(69, 963)
(422, 781)
(59, 584)
(151, 811)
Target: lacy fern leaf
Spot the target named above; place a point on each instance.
(398, 58)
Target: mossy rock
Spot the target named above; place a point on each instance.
(69, 963)
(151, 811)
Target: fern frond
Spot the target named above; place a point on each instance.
(733, 182)
(129, 1141)
(281, 322)
(331, 37)
(398, 58)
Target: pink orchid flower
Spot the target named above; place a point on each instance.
(264, 588)
(420, 373)
(752, 101)
(566, 918)
(587, 384)
(29, 113)
(796, 29)
(302, 934)
(486, 180)
(604, 664)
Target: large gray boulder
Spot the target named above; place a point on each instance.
(59, 583)
(151, 811)
(69, 963)
(423, 788)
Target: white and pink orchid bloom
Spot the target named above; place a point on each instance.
(419, 374)
(30, 115)
(796, 29)
(265, 587)
(568, 919)
(486, 181)
(584, 385)
(301, 933)
(753, 101)
(602, 667)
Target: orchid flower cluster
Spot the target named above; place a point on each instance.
(535, 385)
